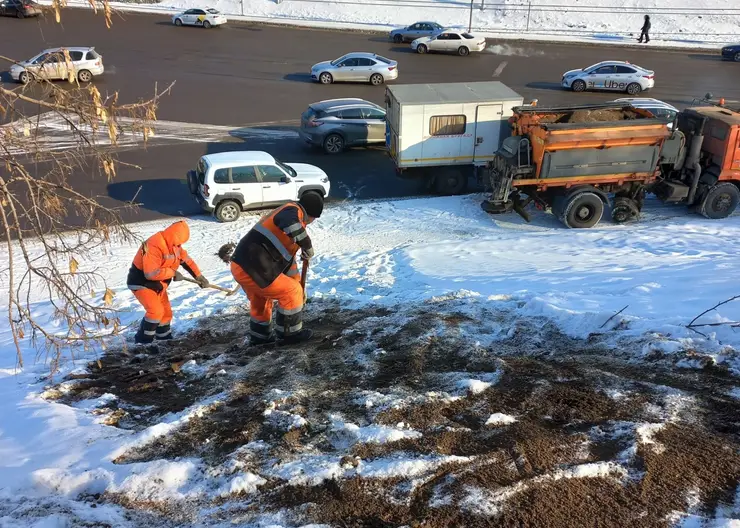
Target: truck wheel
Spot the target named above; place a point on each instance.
(634, 88)
(721, 201)
(578, 86)
(450, 182)
(624, 210)
(228, 211)
(582, 211)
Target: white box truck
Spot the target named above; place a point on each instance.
(443, 132)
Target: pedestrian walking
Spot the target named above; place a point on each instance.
(645, 30)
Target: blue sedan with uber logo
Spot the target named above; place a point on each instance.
(617, 76)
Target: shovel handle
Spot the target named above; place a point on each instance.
(214, 286)
(304, 272)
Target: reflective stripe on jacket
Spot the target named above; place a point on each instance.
(160, 256)
(270, 246)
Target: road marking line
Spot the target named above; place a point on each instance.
(500, 69)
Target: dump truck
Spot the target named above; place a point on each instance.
(444, 132)
(580, 161)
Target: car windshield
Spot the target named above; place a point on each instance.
(212, 11)
(287, 169)
(383, 59)
(337, 61)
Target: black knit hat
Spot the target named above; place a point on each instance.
(312, 203)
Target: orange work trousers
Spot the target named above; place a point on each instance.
(157, 305)
(286, 290)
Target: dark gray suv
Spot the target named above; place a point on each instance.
(336, 124)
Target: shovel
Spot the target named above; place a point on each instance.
(304, 272)
(215, 287)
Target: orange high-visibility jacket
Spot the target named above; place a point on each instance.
(270, 246)
(158, 258)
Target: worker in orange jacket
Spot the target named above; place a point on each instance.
(264, 264)
(155, 266)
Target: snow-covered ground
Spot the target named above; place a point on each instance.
(664, 270)
(702, 23)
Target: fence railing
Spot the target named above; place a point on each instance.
(528, 17)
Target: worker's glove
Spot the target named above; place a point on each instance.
(307, 254)
(202, 281)
(178, 276)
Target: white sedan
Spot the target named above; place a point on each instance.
(449, 40)
(199, 17)
(610, 75)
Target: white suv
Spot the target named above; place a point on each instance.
(51, 64)
(231, 182)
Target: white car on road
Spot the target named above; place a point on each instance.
(231, 182)
(52, 64)
(610, 75)
(199, 17)
(450, 41)
(356, 67)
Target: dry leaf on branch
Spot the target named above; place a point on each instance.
(73, 266)
(108, 297)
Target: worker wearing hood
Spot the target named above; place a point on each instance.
(156, 265)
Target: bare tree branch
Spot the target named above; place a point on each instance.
(692, 326)
(45, 247)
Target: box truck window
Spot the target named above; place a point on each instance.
(450, 125)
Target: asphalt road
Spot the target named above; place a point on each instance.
(241, 75)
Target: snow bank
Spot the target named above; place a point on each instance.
(682, 23)
(665, 269)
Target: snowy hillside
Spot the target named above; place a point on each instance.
(447, 343)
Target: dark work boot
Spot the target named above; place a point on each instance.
(300, 337)
(164, 333)
(256, 341)
(260, 332)
(145, 335)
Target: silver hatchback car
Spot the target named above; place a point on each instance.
(356, 67)
(339, 123)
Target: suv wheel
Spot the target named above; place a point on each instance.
(333, 144)
(228, 211)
